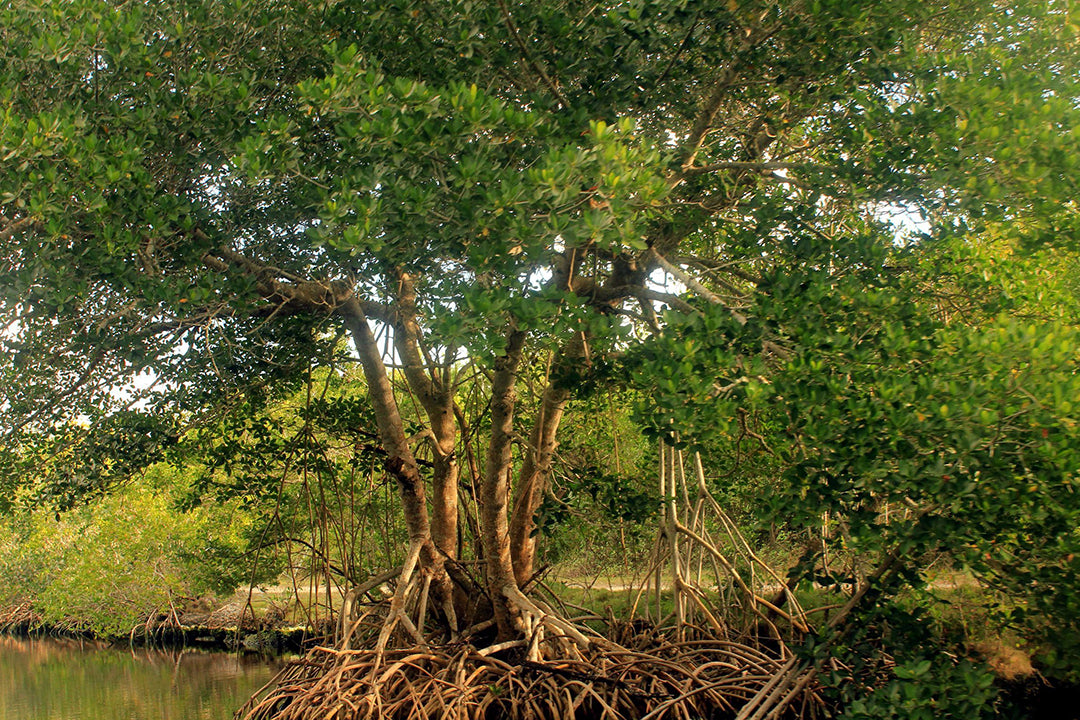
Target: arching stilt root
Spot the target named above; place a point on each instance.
(704, 677)
(390, 664)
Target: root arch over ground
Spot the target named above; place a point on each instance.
(653, 677)
(721, 652)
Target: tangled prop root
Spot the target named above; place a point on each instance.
(705, 678)
(20, 618)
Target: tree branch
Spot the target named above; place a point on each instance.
(694, 285)
(305, 295)
(762, 167)
(712, 104)
(528, 58)
(14, 227)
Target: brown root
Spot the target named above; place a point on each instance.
(20, 618)
(391, 662)
(658, 678)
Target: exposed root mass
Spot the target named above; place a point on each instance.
(703, 678)
(683, 664)
(20, 618)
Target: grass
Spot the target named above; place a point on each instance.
(601, 600)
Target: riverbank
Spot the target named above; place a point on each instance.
(217, 630)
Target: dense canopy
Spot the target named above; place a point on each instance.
(848, 229)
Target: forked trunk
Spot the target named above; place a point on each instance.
(536, 466)
(435, 392)
(533, 480)
(400, 461)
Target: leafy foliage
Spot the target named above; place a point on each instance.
(118, 564)
(833, 241)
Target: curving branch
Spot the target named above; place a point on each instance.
(512, 28)
(694, 285)
(12, 228)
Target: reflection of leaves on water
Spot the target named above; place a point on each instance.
(60, 679)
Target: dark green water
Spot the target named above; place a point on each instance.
(69, 680)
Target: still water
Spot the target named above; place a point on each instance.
(72, 680)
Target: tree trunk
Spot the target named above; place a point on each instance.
(436, 395)
(400, 462)
(494, 527)
(532, 481)
(536, 467)
(444, 491)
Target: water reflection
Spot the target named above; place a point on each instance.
(72, 680)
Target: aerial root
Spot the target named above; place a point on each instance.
(22, 617)
(544, 625)
(701, 678)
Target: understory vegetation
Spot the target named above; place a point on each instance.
(118, 565)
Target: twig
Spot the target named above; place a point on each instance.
(694, 285)
(528, 57)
